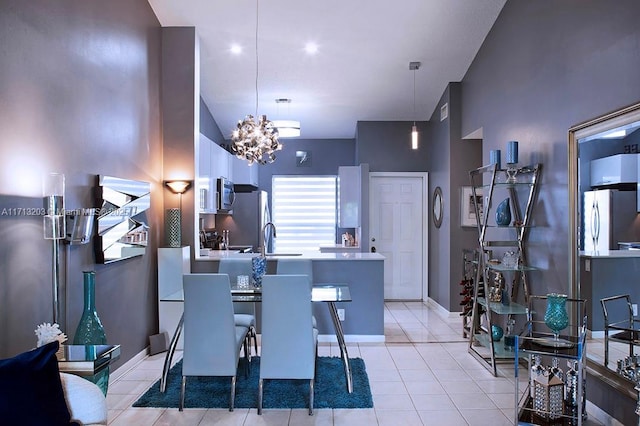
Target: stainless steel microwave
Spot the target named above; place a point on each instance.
(225, 194)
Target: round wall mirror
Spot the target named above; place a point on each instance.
(438, 207)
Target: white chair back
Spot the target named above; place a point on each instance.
(210, 343)
(288, 336)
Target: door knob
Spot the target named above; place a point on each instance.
(373, 249)
(373, 239)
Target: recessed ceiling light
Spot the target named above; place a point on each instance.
(311, 48)
(236, 49)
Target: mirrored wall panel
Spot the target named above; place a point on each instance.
(122, 220)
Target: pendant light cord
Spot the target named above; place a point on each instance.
(414, 97)
(257, 68)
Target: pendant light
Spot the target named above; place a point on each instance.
(286, 128)
(413, 66)
(254, 141)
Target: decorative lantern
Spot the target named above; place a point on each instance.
(548, 395)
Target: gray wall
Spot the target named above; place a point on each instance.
(208, 125)
(449, 160)
(326, 156)
(386, 146)
(80, 90)
(544, 67)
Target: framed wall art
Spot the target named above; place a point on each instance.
(467, 208)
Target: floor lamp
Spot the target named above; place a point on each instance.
(173, 216)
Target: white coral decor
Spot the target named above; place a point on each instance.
(48, 333)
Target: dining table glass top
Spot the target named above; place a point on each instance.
(319, 293)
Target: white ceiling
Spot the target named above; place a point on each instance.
(360, 72)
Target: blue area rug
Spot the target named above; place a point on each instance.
(213, 392)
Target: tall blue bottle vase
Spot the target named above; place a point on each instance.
(503, 213)
(90, 330)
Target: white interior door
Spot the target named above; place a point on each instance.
(398, 232)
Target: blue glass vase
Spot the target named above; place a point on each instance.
(503, 213)
(90, 330)
(556, 317)
(259, 267)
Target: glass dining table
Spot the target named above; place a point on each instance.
(326, 293)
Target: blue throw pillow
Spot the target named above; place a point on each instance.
(31, 391)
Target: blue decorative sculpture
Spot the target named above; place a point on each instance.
(503, 213)
(496, 333)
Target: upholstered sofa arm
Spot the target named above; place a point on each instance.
(85, 400)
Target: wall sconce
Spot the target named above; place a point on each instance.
(54, 229)
(79, 225)
(173, 216)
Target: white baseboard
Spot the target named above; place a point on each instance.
(594, 412)
(124, 368)
(595, 334)
(440, 310)
(352, 338)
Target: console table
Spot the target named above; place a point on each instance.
(86, 360)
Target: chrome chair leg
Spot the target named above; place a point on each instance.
(260, 389)
(311, 397)
(182, 390)
(233, 393)
(255, 339)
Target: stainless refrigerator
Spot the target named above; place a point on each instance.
(250, 214)
(608, 218)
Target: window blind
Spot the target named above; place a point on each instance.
(304, 211)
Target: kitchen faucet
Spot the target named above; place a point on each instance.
(263, 248)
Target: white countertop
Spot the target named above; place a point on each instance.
(610, 254)
(313, 255)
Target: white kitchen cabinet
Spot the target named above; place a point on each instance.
(221, 165)
(350, 184)
(205, 185)
(243, 173)
(213, 162)
(173, 262)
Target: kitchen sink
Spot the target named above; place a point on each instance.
(283, 254)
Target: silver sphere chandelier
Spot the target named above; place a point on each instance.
(254, 141)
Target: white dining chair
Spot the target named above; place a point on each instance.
(245, 312)
(289, 340)
(212, 340)
(298, 267)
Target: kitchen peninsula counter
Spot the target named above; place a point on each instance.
(604, 274)
(610, 254)
(216, 255)
(362, 272)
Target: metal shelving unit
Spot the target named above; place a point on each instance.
(494, 240)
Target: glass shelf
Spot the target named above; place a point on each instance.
(497, 307)
(498, 347)
(501, 268)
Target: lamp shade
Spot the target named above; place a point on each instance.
(414, 137)
(178, 186)
(287, 128)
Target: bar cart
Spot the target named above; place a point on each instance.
(555, 393)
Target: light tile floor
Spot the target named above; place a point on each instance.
(421, 375)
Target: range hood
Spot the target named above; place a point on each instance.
(615, 172)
